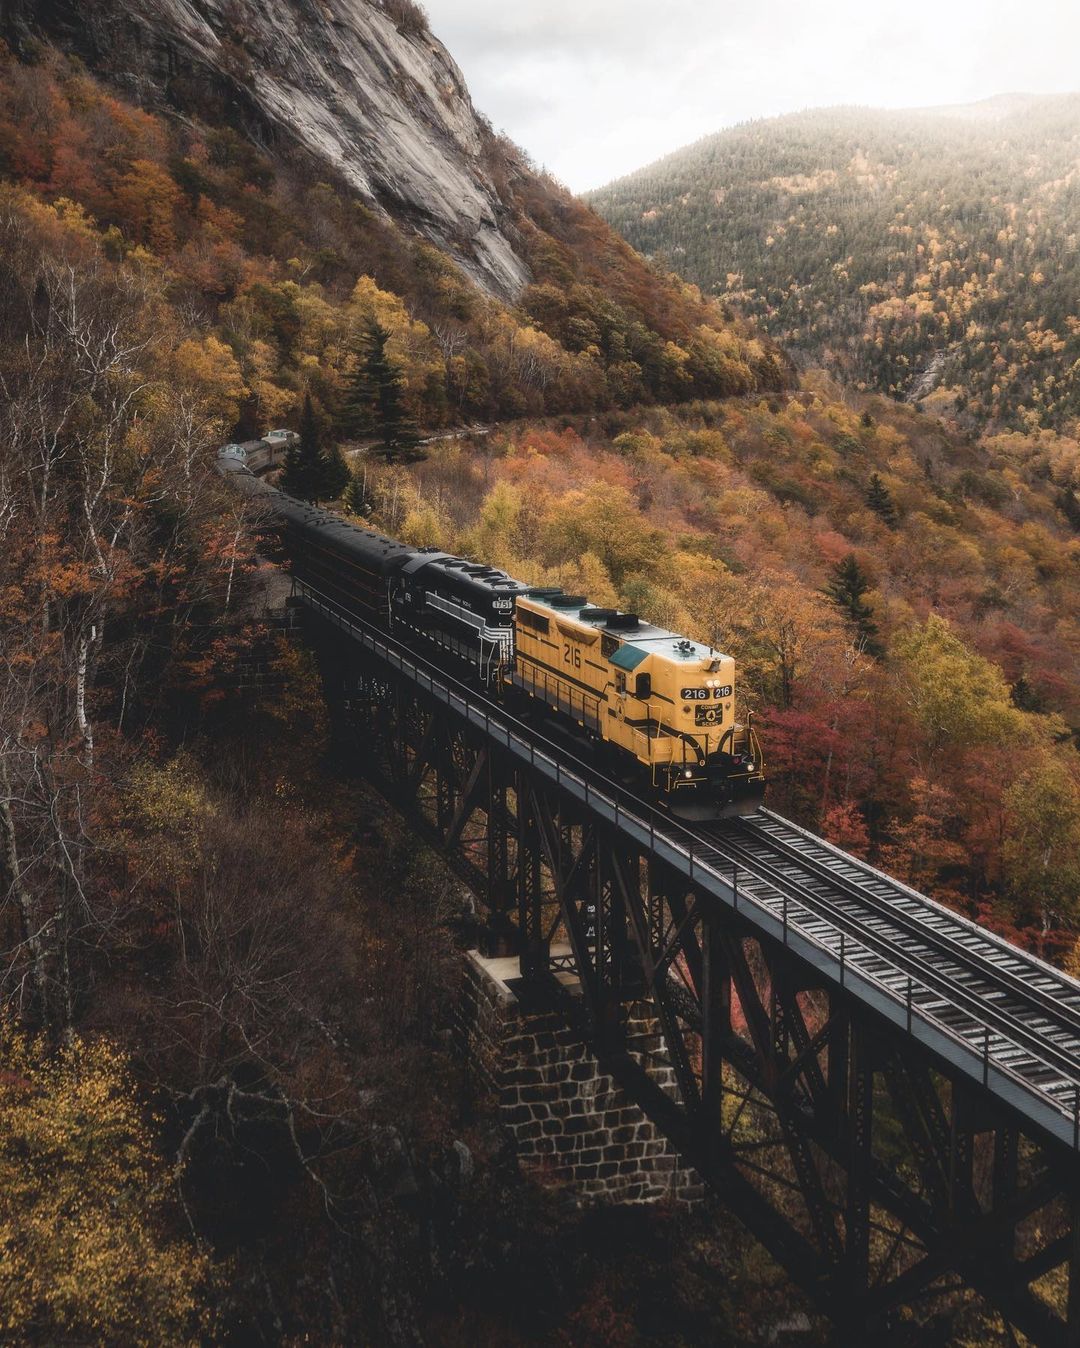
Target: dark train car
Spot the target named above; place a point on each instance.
(350, 567)
(463, 606)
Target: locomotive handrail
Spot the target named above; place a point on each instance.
(641, 822)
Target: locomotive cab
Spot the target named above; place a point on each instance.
(465, 607)
(703, 760)
(666, 700)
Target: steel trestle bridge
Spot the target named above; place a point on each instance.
(887, 1095)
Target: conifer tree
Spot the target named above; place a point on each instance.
(1069, 505)
(310, 472)
(303, 473)
(375, 399)
(880, 501)
(847, 585)
(336, 475)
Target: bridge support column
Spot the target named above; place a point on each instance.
(572, 1125)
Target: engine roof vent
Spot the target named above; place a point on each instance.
(598, 615)
(623, 622)
(567, 601)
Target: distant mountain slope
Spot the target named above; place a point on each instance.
(935, 249)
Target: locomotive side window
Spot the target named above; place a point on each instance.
(534, 620)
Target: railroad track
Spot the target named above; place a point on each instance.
(1016, 1011)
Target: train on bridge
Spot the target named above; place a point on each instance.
(658, 707)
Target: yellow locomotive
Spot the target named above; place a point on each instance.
(646, 692)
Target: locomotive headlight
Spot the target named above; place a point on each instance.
(750, 765)
(688, 773)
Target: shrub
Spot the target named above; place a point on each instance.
(408, 17)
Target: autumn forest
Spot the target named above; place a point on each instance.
(930, 255)
(229, 1106)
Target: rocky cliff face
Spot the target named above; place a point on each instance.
(383, 104)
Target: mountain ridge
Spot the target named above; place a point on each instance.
(876, 242)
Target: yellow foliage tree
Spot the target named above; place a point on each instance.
(494, 536)
(147, 200)
(274, 402)
(1041, 851)
(424, 526)
(604, 520)
(959, 698)
(588, 576)
(210, 368)
(84, 1254)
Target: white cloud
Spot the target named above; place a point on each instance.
(596, 88)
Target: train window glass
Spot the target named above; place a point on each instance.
(608, 646)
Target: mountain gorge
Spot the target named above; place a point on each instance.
(228, 998)
(931, 255)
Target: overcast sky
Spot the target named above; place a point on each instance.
(596, 88)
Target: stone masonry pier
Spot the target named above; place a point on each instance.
(572, 1126)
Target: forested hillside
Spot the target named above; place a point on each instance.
(277, 271)
(929, 255)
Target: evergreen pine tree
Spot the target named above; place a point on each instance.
(1069, 505)
(304, 473)
(336, 476)
(310, 472)
(880, 501)
(375, 399)
(847, 585)
(357, 500)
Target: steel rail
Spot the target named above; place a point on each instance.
(1014, 1031)
(898, 899)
